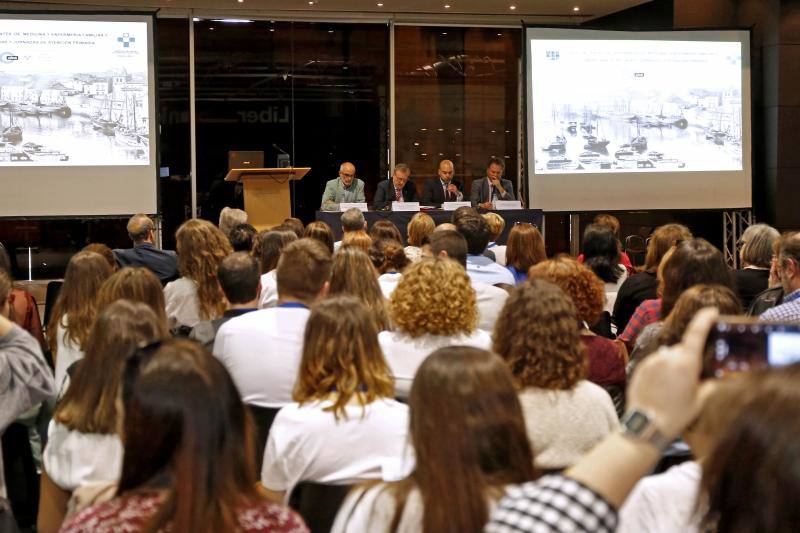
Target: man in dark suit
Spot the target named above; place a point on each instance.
(444, 189)
(163, 263)
(397, 189)
(491, 187)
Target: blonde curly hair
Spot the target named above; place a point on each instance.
(201, 247)
(434, 296)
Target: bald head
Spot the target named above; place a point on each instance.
(347, 173)
(445, 170)
(140, 228)
(445, 226)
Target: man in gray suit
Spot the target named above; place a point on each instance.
(344, 189)
(491, 187)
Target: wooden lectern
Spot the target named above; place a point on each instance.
(267, 199)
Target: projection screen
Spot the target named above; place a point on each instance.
(78, 124)
(638, 120)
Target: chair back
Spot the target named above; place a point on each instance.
(318, 503)
(53, 288)
(263, 418)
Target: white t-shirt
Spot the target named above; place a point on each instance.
(269, 290)
(262, 351)
(490, 300)
(67, 352)
(388, 282)
(308, 444)
(613, 288)
(664, 503)
(405, 354)
(499, 253)
(73, 459)
(183, 308)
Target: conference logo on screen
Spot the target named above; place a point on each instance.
(552, 55)
(126, 40)
(8, 57)
(126, 46)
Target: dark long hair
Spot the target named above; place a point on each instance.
(601, 252)
(693, 262)
(470, 445)
(187, 432)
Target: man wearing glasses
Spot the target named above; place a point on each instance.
(344, 189)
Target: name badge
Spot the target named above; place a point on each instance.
(405, 206)
(452, 206)
(361, 206)
(501, 205)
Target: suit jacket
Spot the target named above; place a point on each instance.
(480, 191)
(163, 263)
(384, 194)
(433, 193)
(335, 194)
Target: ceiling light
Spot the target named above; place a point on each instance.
(576, 9)
(416, 144)
(512, 7)
(330, 31)
(444, 33)
(272, 29)
(423, 129)
(380, 5)
(423, 153)
(440, 129)
(240, 1)
(211, 28)
(447, 6)
(195, 19)
(232, 21)
(499, 34)
(311, 2)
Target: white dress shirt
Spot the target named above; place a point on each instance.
(483, 269)
(490, 300)
(269, 290)
(183, 308)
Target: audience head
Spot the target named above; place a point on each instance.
(495, 167)
(468, 431)
(445, 170)
(496, 224)
(463, 211)
(241, 237)
(199, 453)
(601, 252)
(358, 239)
(353, 274)
(662, 239)
(451, 244)
(229, 218)
(525, 247)
(353, 220)
(757, 244)
(201, 246)
(693, 261)
(6, 286)
(141, 229)
(322, 232)
(135, 284)
(239, 277)
(690, 302)
(609, 221)
(787, 266)
(577, 281)
(434, 297)
(89, 404)
(400, 175)
(76, 306)
(347, 173)
(388, 255)
(105, 251)
(269, 247)
(385, 229)
(537, 337)
(341, 353)
(294, 225)
(421, 226)
(303, 271)
(476, 231)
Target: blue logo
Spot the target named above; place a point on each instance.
(8, 57)
(126, 40)
(552, 55)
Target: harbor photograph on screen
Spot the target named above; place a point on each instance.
(74, 93)
(607, 106)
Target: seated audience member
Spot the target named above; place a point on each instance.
(565, 414)
(755, 255)
(185, 468)
(27, 379)
(489, 299)
(787, 269)
(322, 232)
(352, 220)
(229, 218)
(262, 349)
(601, 254)
(344, 426)
(445, 226)
(389, 259)
(358, 239)
(163, 263)
(353, 274)
(606, 358)
(420, 228)
(474, 439)
(689, 263)
(385, 229)
(136, 284)
(75, 310)
(479, 267)
(22, 310)
(238, 275)
(344, 189)
(196, 295)
(662, 398)
(496, 227)
(105, 251)
(443, 189)
(84, 446)
(292, 224)
(612, 222)
(397, 189)
(268, 252)
(433, 306)
(241, 237)
(525, 248)
(643, 285)
(670, 330)
(492, 187)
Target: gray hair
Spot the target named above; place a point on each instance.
(757, 244)
(353, 220)
(402, 167)
(139, 226)
(229, 218)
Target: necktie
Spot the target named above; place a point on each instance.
(446, 193)
(397, 195)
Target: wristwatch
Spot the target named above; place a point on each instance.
(640, 426)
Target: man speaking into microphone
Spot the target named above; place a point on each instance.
(492, 187)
